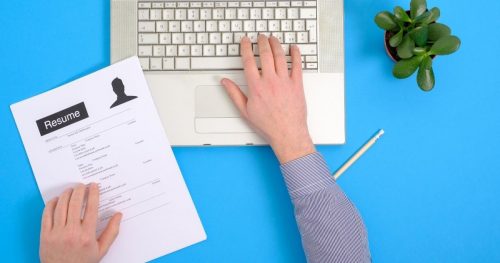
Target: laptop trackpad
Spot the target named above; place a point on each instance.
(216, 113)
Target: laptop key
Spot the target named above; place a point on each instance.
(144, 5)
(196, 50)
(157, 5)
(171, 50)
(307, 13)
(307, 49)
(177, 38)
(174, 26)
(311, 65)
(190, 38)
(202, 38)
(161, 26)
(234, 50)
(143, 14)
(227, 38)
(165, 38)
(144, 63)
(168, 14)
(221, 50)
(193, 14)
(170, 5)
(208, 50)
(148, 38)
(309, 3)
(146, 26)
(253, 36)
(184, 51)
(155, 14)
(159, 51)
(187, 26)
(145, 51)
(255, 13)
(182, 63)
(293, 13)
(302, 37)
(215, 38)
(311, 27)
(311, 59)
(155, 64)
(168, 63)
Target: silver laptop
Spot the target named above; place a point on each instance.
(186, 47)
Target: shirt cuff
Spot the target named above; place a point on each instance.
(306, 175)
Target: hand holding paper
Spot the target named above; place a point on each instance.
(65, 237)
(104, 128)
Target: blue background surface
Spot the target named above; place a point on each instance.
(428, 191)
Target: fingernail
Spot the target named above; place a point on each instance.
(223, 81)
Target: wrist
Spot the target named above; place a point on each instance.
(291, 147)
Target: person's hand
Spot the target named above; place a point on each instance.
(275, 106)
(66, 237)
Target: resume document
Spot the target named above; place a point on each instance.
(104, 128)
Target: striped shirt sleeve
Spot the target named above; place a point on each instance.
(330, 226)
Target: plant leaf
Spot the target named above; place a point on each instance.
(417, 7)
(420, 18)
(401, 14)
(429, 16)
(396, 39)
(419, 51)
(437, 30)
(425, 76)
(406, 67)
(386, 20)
(405, 50)
(445, 45)
(420, 35)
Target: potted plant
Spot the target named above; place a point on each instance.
(413, 39)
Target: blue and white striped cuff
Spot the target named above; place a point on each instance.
(306, 175)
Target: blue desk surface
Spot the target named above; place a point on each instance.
(428, 191)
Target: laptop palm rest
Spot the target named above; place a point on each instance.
(215, 112)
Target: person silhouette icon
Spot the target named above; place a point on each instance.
(119, 90)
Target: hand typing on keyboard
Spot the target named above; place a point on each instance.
(275, 105)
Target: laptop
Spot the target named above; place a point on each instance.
(187, 47)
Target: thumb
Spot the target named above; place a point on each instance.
(237, 96)
(109, 234)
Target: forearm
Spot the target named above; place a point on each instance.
(330, 226)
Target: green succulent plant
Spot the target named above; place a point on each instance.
(417, 38)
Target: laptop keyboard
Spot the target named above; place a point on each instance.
(190, 35)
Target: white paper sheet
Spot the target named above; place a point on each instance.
(104, 128)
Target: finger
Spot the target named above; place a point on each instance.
(109, 234)
(296, 73)
(249, 64)
(266, 55)
(279, 57)
(48, 216)
(76, 204)
(61, 211)
(90, 216)
(237, 96)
